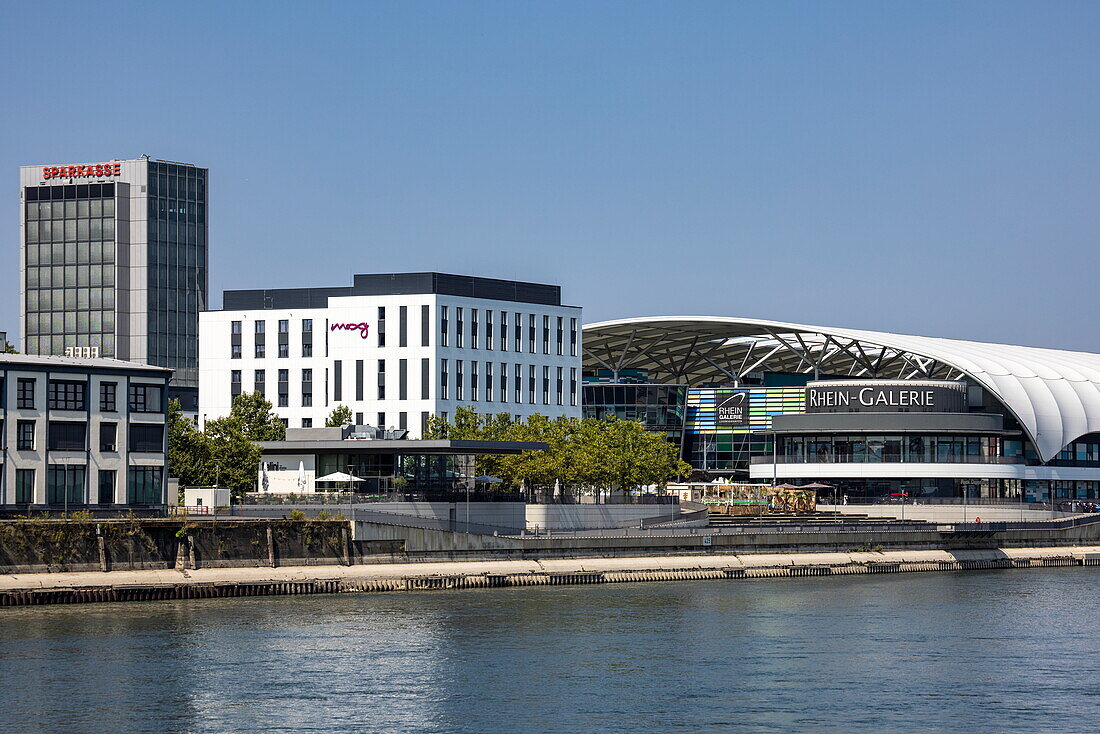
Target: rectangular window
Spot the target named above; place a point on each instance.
(108, 437)
(402, 379)
(545, 385)
(338, 380)
(425, 326)
(459, 392)
(488, 377)
(106, 493)
(504, 331)
(64, 484)
(531, 338)
(261, 347)
(382, 421)
(260, 382)
(504, 382)
(108, 397)
(24, 395)
(560, 386)
(488, 329)
(235, 351)
(573, 386)
(24, 486)
(424, 422)
(443, 327)
(307, 423)
(518, 330)
(284, 388)
(546, 335)
(473, 328)
(458, 327)
(358, 379)
(235, 339)
(66, 395)
(561, 336)
(284, 350)
(381, 326)
(358, 419)
(403, 421)
(235, 327)
(474, 391)
(444, 393)
(144, 485)
(65, 436)
(381, 379)
(307, 388)
(147, 437)
(517, 384)
(531, 385)
(403, 326)
(234, 384)
(146, 398)
(284, 326)
(573, 337)
(425, 378)
(307, 337)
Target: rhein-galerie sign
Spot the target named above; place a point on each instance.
(871, 398)
(732, 408)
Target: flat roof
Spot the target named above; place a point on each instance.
(410, 446)
(395, 284)
(46, 362)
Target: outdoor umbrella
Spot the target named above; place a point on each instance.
(815, 485)
(486, 479)
(302, 475)
(265, 483)
(339, 476)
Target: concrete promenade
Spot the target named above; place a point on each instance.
(55, 588)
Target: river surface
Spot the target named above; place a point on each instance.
(979, 652)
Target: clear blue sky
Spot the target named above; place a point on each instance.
(923, 167)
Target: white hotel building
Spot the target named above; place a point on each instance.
(395, 348)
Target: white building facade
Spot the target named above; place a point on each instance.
(81, 434)
(395, 349)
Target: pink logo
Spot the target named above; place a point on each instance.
(361, 328)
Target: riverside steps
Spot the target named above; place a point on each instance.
(151, 585)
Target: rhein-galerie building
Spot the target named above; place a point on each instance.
(396, 349)
(114, 263)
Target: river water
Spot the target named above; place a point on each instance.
(979, 651)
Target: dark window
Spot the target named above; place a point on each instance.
(381, 326)
(234, 383)
(443, 325)
(236, 351)
(307, 388)
(458, 326)
(235, 327)
(307, 423)
(381, 379)
(66, 436)
(381, 420)
(24, 395)
(307, 337)
(64, 484)
(284, 350)
(424, 378)
(259, 382)
(106, 486)
(24, 486)
(403, 379)
(108, 437)
(358, 379)
(403, 421)
(403, 327)
(24, 437)
(67, 395)
(108, 397)
(146, 398)
(337, 380)
(284, 326)
(147, 437)
(473, 328)
(144, 485)
(425, 326)
(444, 393)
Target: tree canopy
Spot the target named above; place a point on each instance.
(583, 453)
(340, 416)
(224, 453)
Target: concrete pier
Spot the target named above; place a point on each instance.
(148, 585)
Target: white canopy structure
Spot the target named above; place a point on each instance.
(1054, 394)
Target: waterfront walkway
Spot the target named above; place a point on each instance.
(54, 588)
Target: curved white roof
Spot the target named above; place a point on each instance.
(1053, 393)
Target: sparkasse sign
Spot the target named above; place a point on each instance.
(89, 170)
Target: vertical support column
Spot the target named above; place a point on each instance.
(102, 543)
(193, 559)
(346, 530)
(270, 547)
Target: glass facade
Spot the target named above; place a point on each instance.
(70, 260)
(660, 408)
(177, 257)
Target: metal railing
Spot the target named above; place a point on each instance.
(888, 460)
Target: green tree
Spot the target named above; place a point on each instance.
(233, 453)
(340, 416)
(188, 449)
(9, 348)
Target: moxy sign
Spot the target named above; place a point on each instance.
(92, 170)
(362, 328)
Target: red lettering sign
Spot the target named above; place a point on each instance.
(97, 170)
(362, 328)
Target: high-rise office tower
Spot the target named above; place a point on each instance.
(114, 263)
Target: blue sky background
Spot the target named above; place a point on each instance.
(924, 167)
